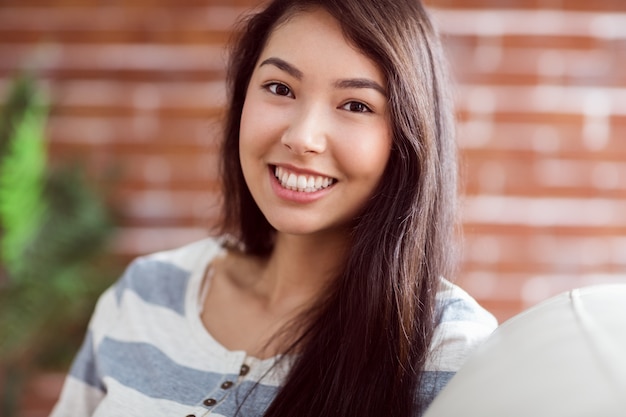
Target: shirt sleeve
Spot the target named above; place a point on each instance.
(84, 388)
(463, 325)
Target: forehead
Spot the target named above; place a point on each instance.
(314, 35)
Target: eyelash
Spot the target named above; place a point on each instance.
(273, 86)
(364, 108)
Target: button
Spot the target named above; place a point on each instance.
(227, 384)
(210, 402)
(244, 370)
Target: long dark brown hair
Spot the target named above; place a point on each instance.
(365, 344)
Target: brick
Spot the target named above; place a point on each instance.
(144, 130)
(200, 97)
(532, 134)
(516, 173)
(604, 5)
(168, 207)
(123, 18)
(113, 57)
(536, 250)
(135, 241)
(598, 212)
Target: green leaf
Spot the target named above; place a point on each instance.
(22, 173)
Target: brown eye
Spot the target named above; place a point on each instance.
(356, 107)
(279, 89)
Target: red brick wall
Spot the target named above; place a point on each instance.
(542, 117)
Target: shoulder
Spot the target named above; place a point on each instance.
(186, 257)
(463, 325)
(162, 278)
(455, 305)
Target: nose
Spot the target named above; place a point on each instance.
(306, 131)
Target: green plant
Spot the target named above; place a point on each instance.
(54, 226)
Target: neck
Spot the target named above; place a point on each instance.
(300, 267)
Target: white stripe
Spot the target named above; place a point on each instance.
(453, 342)
(78, 397)
(104, 316)
(171, 334)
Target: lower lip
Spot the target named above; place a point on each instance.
(295, 196)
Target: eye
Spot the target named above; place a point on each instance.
(279, 89)
(356, 107)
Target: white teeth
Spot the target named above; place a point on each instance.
(292, 181)
(301, 183)
(302, 180)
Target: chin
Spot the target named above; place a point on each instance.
(291, 225)
(294, 229)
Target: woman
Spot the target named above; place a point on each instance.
(326, 296)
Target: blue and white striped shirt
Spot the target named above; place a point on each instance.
(147, 352)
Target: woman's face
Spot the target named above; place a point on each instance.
(315, 131)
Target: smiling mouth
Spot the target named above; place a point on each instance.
(302, 183)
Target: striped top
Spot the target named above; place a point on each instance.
(147, 353)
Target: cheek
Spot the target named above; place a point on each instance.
(367, 152)
(245, 123)
(247, 148)
(249, 139)
(258, 127)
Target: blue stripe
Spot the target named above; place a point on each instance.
(84, 366)
(144, 368)
(156, 282)
(432, 383)
(250, 400)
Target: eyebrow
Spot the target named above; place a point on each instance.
(283, 65)
(345, 84)
(361, 83)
